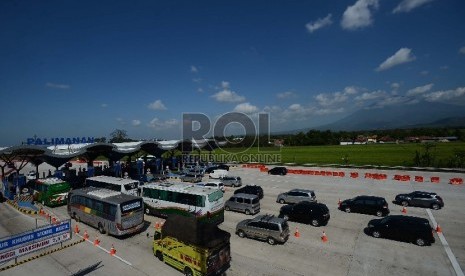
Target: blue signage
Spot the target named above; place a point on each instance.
(37, 234)
(59, 141)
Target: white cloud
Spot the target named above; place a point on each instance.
(350, 90)
(104, 105)
(57, 85)
(159, 124)
(135, 122)
(194, 69)
(319, 23)
(157, 105)
(225, 84)
(408, 5)
(295, 107)
(359, 15)
(246, 108)
(462, 50)
(286, 95)
(395, 86)
(228, 96)
(420, 90)
(403, 55)
(445, 95)
(424, 72)
(368, 96)
(337, 98)
(197, 80)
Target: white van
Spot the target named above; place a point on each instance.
(218, 173)
(214, 184)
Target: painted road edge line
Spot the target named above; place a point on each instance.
(449, 253)
(118, 257)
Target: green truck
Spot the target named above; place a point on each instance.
(193, 247)
(51, 191)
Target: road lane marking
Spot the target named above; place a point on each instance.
(116, 256)
(449, 253)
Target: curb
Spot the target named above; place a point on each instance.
(40, 255)
(26, 211)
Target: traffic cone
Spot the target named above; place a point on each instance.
(96, 241)
(438, 229)
(76, 229)
(297, 233)
(54, 220)
(339, 203)
(404, 210)
(86, 236)
(112, 250)
(157, 225)
(323, 237)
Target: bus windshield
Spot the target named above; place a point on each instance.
(215, 196)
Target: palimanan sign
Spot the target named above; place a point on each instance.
(59, 141)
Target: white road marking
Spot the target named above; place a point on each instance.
(118, 257)
(449, 253)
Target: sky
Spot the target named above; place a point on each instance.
(88, 68)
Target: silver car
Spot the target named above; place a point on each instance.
(296, 195)
(233, 181)
(245, 203)
(264, 227)
(194, 178)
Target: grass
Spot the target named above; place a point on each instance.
(371, 154)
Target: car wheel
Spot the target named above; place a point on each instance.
(159, 256)
(315, 222)
(420, 242)
(271, 241)
(147, 211)
(286, 217)
(347, 209)
(247, 211)
(282, 201)
(227, 208)
(376, 234)
(379, 214)
(241, 234)
(404, 203)
(188, 272)
(101, 229)
(435, 206)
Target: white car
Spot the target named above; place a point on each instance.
(214, 185)
(218, 173)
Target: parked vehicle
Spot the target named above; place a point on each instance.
(251, 189)
(245, 203)
(402, 228)
(278, 171)
(420, 199)
(214, 184)
(193, 178)
(306, 212)
(217, 167)
(366, 205)
(233, 181)
(192, 247)
(218, 173)
(264, 227)
(296, 195)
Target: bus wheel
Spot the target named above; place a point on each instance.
(100, 228)
(188, 272)
(159, 256)
(147, 211)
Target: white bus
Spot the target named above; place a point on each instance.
(123, 185)
(109, 211)
(206, 204)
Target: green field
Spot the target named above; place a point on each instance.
(370, 154)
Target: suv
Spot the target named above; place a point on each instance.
(420, 199)
(306, 212)
(264, 227)
(366, 205)
(296, 195)
(404, 228)
(278, 171)
(233, 181)
(194, 178)
(246, 203)
(251, 189)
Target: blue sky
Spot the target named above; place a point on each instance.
(86, 68)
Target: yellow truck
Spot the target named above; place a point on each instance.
(193, 247)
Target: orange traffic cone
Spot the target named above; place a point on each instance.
(297, 233)
(438, 229)
(157, 225)
(76, 229)
(54, 220)
(323, 237)
(86, 236)
(404, 210)
(96, 241)
(112, 250)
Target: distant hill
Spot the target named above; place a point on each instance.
(402, 116)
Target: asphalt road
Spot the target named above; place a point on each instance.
(349, 251)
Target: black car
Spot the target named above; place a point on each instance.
(402, 228)
(366, 205)
(306, 212)
(251, 189)
(217, 167)
(420, 199)
(278, 171)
